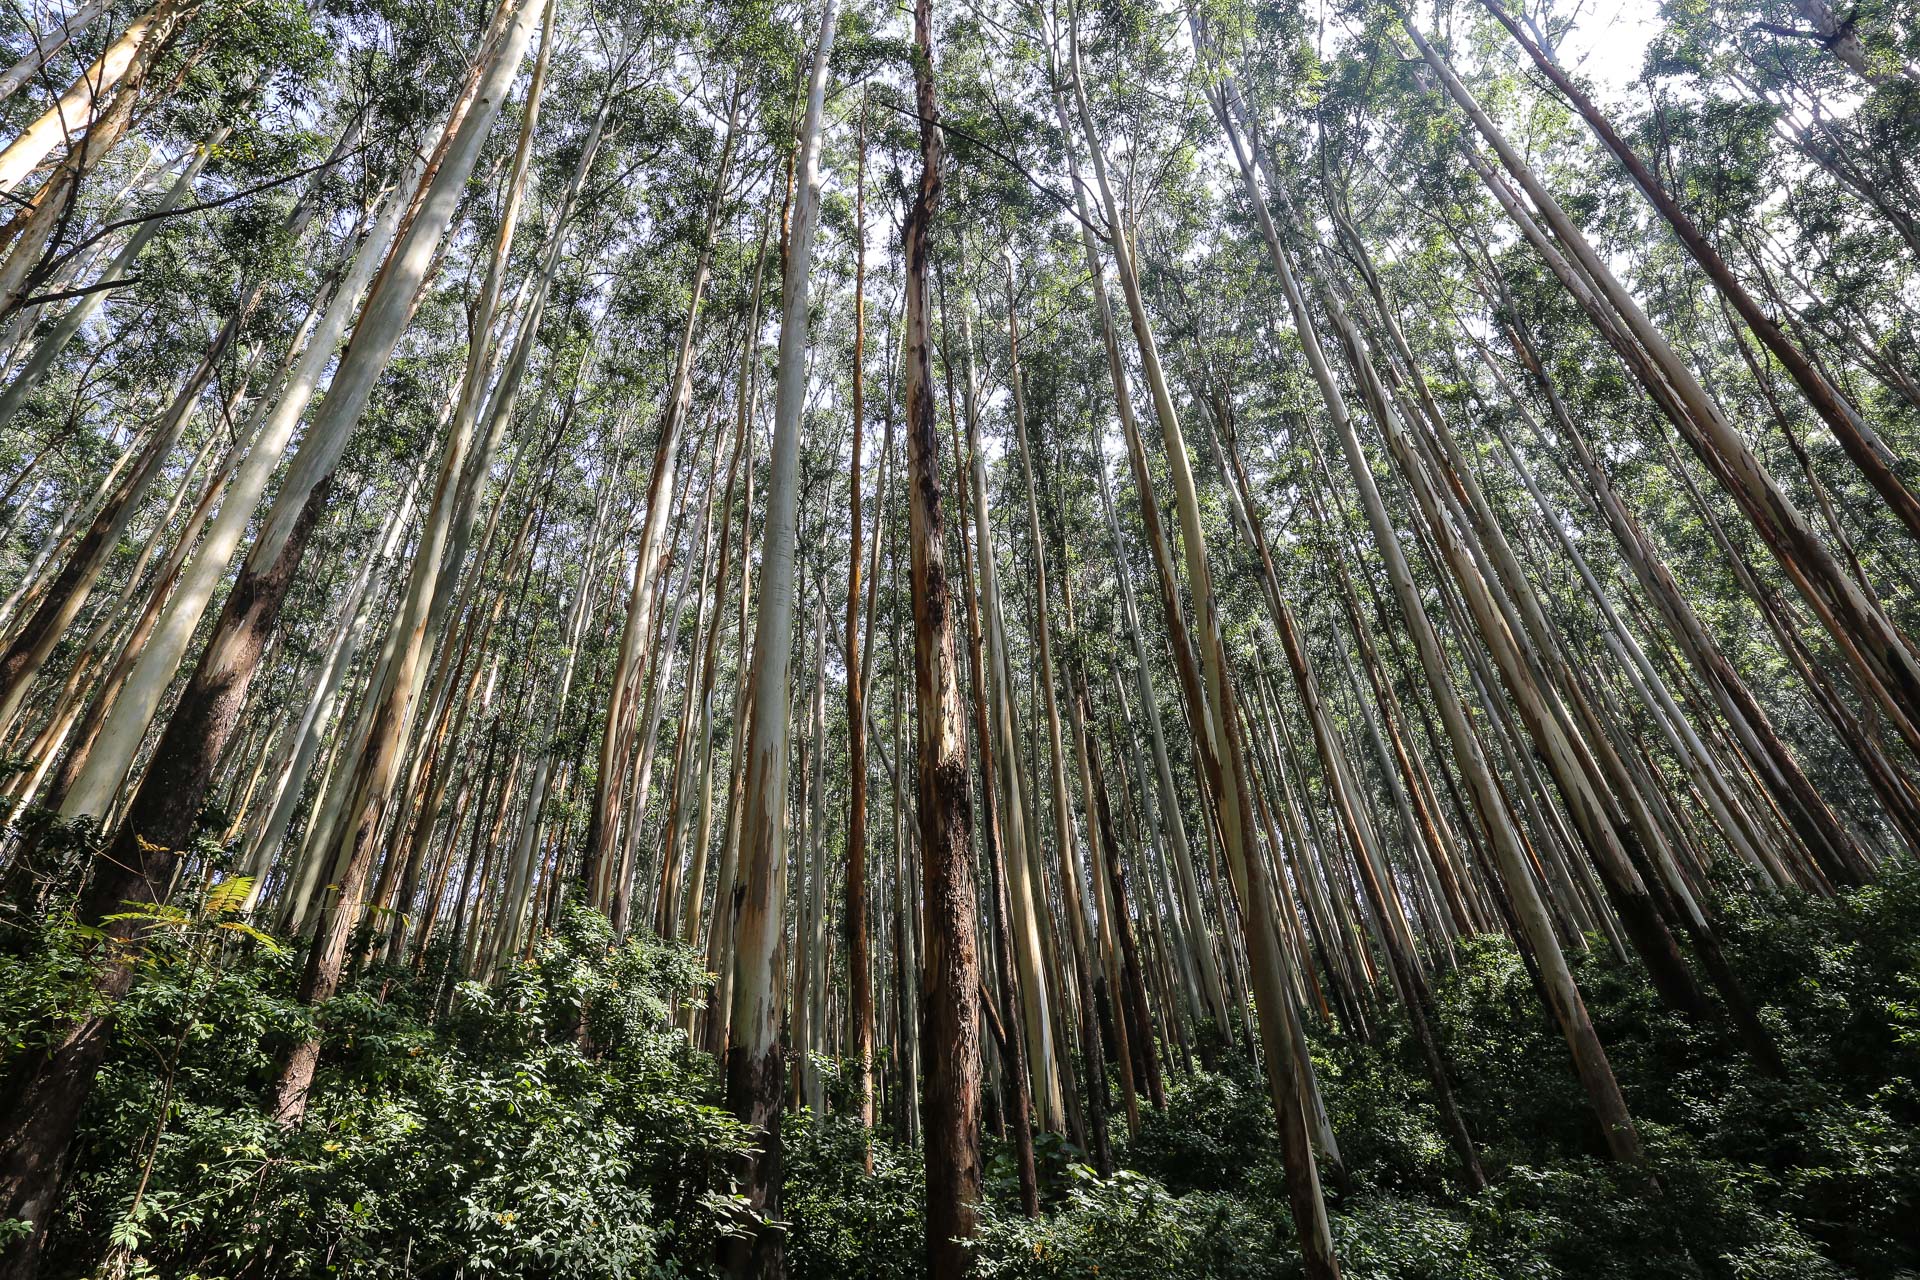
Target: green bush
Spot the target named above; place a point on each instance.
(1130, 1227)
(1216, 1127)
(841, 1222)
(557, 1125)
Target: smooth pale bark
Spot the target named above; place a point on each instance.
(37, 1128)
(728, 888)
(349, 632)
(45, 46)
(520, 864)
(378, 763)
(1248, 869)
(133, 711)
(1678, 731)
(140, 623)
(1131, 995)
(30, 234)
(62, 597)
(1861, 442)
(1422, 814)
(1133, 1048)
(811, 993)
(39, 1124)
(666, 906)
(1328, 923)
(1870, 641)
(34, 582)
(1563, 994)
(1066, 843)
(68, 592)
(1838, 37)
(1035, 987)
(615, 884)
(755, 1072)
(906, 921)
(702, 763)
(401, 872)
(1173, 823)
(1614, 842)
(511, 363)
(616, 739)
(1176, 623)
(127, 628)
(1826, 840)
(1402, 957)
(78, 108)
(691, 818)
(1173, 934)
(27, 377)
(321, 839)
(447, 526)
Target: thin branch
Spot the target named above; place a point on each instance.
(202, 206)
(1007, 160)
(43, 298)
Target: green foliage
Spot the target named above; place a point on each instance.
(1749, 1177)
(1215, 1127)
(1129, 1227)
(844, 1223)
(46, 985)
(557, 1125)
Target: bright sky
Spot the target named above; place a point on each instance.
(1609, 41)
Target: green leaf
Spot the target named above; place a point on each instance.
(265, 940)
(229, 896)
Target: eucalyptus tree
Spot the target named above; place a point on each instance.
(755, 1071)
(1412, 495)
(160, 817)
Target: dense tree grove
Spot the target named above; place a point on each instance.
(1230, 638)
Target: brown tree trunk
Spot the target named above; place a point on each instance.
(47, 1093)
(951, 972)
(1013, 1033)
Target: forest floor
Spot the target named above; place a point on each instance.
(559, 1124)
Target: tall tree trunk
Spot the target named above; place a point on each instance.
(1036, 990)
(1590, 1058)
(616, 740)
(33, 230)
(1066, 845)
(859, 963)
(951, 973)
(755, 1072)
(80, 107)
(1000, 916)
(72, 27)
(127, 723)
(1861, 443)
(36, 1129)
(379, 761)
(1871, 642)
(1248, 870)
(729, 887)
(349, 629)
(26, 379)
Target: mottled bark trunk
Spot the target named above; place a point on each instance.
(951, 972)
(755, 1072)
